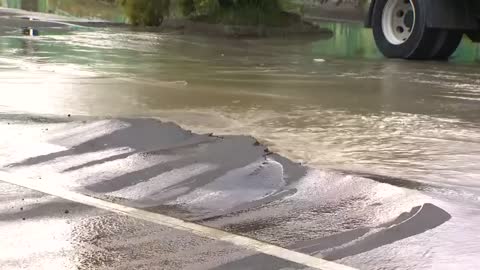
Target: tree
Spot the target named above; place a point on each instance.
(236, 12)
(146, 12)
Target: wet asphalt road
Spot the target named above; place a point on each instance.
(398, 139)
(43, 232)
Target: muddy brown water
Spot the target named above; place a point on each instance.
(409, 128)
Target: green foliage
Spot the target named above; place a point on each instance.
(146, 12)
(206, 7)
(187, 7)
(233, 12)
(253, 12)
(243, 12)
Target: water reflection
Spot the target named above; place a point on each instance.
(355, 41)
(349, 40)
(395, 118)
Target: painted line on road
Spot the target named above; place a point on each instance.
(204, 231)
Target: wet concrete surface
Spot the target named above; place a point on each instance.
(39, 231)
(371, 163)
(228, 182)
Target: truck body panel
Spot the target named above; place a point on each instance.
(446, 14)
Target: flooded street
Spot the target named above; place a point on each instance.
(381, 143)
(416, 121)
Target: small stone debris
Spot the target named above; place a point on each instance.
(21, 208)
(28, 31)
(23, 218)
(28, 18)
(256, 143)
(67, 212)
(69, 115)
(214, 136)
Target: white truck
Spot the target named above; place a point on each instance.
(423, 29)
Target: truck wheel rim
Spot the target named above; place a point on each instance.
(398, 21)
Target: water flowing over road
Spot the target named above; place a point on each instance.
(305, 144)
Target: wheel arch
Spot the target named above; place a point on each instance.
(445, 14)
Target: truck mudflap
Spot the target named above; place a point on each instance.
(474, 36)
(444, 14)
(368, 19)
(451, 14)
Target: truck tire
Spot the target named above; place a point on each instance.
(447, 43)
(400, 29)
